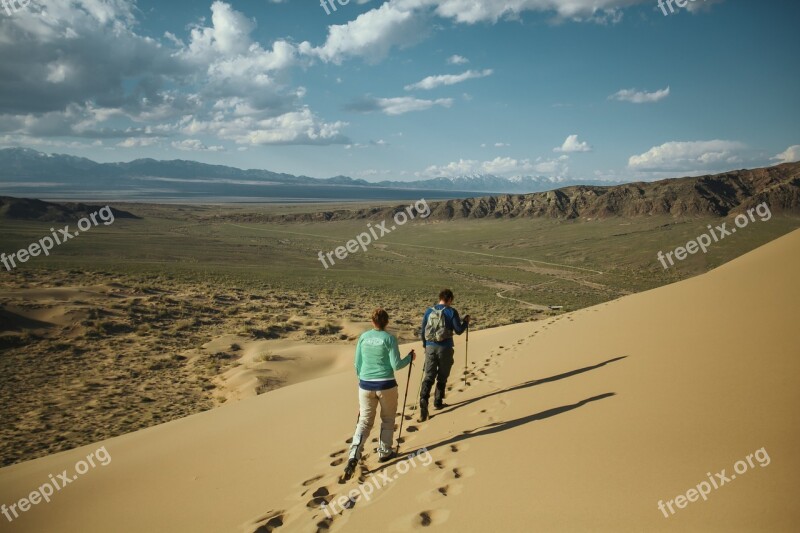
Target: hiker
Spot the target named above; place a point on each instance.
(377, 359)
(438, 326)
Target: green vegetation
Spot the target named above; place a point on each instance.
(543, 262)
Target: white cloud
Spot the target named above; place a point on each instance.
(137, 142)
(474, 11)
(372, 34)
(635, 96)
(572, 145)
(432, 82)
(501, 166)
(689, 156)
(195, 145)
(790, 155)
(403, 23)
(229, 63)
(457, 60)
(399, 105)
(295, 127)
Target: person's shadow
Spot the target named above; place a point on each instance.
(497, 427)
(494, 427)
(531, 383)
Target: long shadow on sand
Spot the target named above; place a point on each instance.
(527, 384)
(502, 426)
(497, 427)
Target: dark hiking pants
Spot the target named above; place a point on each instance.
(438, 362)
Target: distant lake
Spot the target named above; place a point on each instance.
(210, 192)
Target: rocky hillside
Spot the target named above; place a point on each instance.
(717, 195)
(27, 209)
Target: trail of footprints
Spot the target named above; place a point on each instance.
(324, 488)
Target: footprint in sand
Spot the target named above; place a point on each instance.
(412, 429)
(336, 454)
(271, 522)
(320, 497)
(462, 472)
(430, 518)
(448, 489)
(444, 463)
(337, 462)
(308, 482)
(324, 524)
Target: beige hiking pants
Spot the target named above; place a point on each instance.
(368, 406)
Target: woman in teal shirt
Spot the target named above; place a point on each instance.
(377, 359)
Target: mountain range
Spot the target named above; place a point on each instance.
(718, 195)
(54, 171)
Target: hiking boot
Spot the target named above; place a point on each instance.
(440, 405)
(382, 458)
(350, 469)
(423, 413)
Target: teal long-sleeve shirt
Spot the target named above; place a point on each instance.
(378, 356)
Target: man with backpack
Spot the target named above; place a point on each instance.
(438, 326)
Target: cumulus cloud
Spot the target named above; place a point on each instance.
(372, 34)
(403, 23)
(296, 127)
(432, 82)
(689, 156)
(52, 52)
(80, 68)
(635, 96)
(790, 155)
(501, 166)
(572, 145)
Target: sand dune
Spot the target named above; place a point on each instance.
(579, 423)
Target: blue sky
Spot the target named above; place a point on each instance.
(408, 89)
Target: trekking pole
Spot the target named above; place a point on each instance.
(403, 416)
(466, 358)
